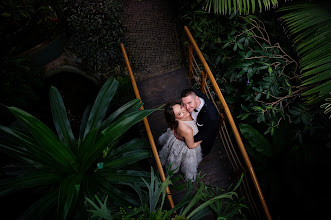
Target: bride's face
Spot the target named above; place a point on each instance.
(180, 112)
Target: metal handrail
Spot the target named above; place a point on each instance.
(228, 114)
(148, 129)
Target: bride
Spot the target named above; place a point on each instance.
(178, 147)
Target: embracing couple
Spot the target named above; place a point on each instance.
(193, 127)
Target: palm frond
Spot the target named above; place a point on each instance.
(310, 26)
(224, 7)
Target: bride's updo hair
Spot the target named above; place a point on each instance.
(170, 115)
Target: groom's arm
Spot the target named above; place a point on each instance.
(207, 130)
(203, 130)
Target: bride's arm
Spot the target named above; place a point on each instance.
(187, 132)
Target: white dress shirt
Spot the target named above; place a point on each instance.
(194, 114)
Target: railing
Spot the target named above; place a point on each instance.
(148, 129)
(194, 68)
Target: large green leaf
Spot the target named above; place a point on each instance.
(114, 131)
(68, 194)
(125, 176)
(84, 121)
(256, 139)
(86, 148)
(60, 119)
(27, 181)
(134, 144)
(46, 138)
(131, 106)
(228, 195)
(101, 104)
(126, 159)
(26, 147)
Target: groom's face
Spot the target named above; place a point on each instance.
(190, 102)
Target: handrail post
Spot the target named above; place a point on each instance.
(203, 81)
(190, 61)
(232, 123)
(148, 129)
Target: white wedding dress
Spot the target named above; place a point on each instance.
(176, 153)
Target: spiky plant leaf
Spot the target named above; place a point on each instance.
(60, 119)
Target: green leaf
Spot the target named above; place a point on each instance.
(126, 159)
(124, 176)
(102, 211)
(84, 121)
(46, 138)
(86, 148)
(258, 96)
(309, 23)
(27, 181)
(256, 139)
(101, 104)
(129, 107)
(68, 194)
(227, 195)
(60, 119)
(114, 131)
(31, 152)
(270, 69)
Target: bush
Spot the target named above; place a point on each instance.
(95, 32)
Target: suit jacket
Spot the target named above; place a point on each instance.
(207, 121)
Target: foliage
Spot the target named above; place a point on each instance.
(20, 20)
(95, 31)
(327, 106)
(61, 170)
(224, 6)
(256, 74)
(102, 211)
(309, 26)
(194, 205)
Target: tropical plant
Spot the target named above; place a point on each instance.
(310, 26)
(242, 6)
(198, 201)
(61, 170)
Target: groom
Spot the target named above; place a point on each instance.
(206, 116)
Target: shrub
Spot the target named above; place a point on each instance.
(95, 32)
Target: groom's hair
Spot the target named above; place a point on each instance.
(187, 92)
(170, 115)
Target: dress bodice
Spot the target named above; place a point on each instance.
(193, 125)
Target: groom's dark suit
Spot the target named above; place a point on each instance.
(207, 122)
